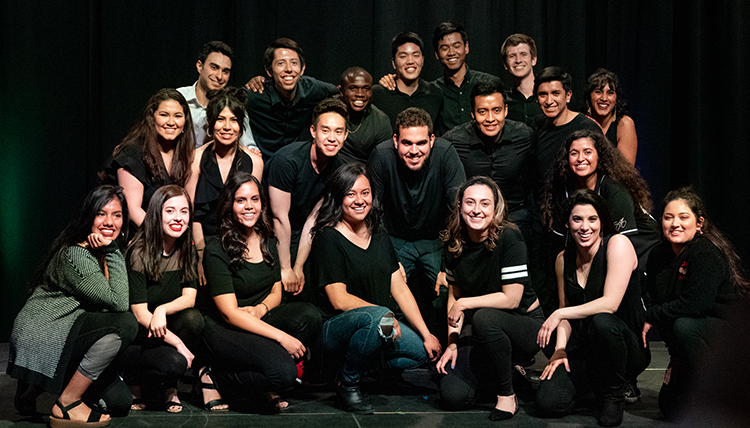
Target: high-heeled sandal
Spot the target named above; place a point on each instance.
(212, 405)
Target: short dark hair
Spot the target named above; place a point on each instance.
(215, 46)
(515, 40)
(403, 38)
(487, 87)
(445, 28)
(413, 117)
(282, 43)
(353, 71)
(554, 74)
(329, 105)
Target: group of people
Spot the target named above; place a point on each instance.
(269, 233)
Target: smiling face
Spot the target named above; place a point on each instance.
(413, 146)
(214, 73)
(603, 101)
(286, 69)
(680, 224)
(553, 99)
(108, 221)
(518, 60)
(478, 211)
(357, 202)
(329, 134)
(452, 50)
(408, 62)
(169, 120)
(585, 226)
(227, 128)
(489, 114)
(175, 217)
(247, 207)
(583, 158)
(357, 91)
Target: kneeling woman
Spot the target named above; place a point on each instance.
(489, 289)
(600, 318)
(76, 320)
(163, 283)
(254, 341)
(360, 289)
(693, 279)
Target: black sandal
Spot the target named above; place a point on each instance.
(94, 419)
(212, 405)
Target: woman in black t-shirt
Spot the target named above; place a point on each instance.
(600, 316)
(489, 289)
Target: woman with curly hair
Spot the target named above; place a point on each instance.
(489, 290)
(157, 151)
(694, 278)
(254, 341)
(588, 161)
(605, 102)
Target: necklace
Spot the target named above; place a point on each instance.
(352, 132)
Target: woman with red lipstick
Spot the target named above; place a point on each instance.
(600, 317)
(76, 320)
(605, 102)
(163, 282)
(254, 341)
(694, 277)
(489, 290)
(157, 151)
(216, 160)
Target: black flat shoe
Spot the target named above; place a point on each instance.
(501, 415)
(612, 409)
(350, 399)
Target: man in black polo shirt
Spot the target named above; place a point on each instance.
(367, 124)
(296, 176)
(411, 91)
(497, 148)
(415, 178)
(519, 58)
(280, 111)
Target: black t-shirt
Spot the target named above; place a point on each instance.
(366, 130)
(251, 283)
(507, 162)
(428, 96)
(366, 272)
(156, 293)
(416, 203)
(479, 272)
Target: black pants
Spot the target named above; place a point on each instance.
(245, 363)
(499, 338)
(151, 361)
(603, 354)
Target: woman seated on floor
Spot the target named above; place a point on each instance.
(254, 341)
(76, 320)
(694, 277)
(360, 289)
(600, 317)
(163, 286)
(489, 290)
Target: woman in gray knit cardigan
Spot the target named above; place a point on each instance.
(76, 320)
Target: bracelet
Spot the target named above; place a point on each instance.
(267, 310)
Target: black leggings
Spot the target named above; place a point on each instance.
(245, 363)
(605, 355)
(151, 361)
(499, 338)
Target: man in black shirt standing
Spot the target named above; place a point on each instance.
(519, 58)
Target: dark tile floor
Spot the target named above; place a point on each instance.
(315, 409)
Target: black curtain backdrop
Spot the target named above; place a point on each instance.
(75, 76)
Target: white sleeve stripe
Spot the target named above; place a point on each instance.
(523, 274)
(513, 268)
(626, 232)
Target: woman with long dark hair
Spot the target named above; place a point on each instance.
(163, 286)
(489, 289)
(76, 320)
(360, 289)
(254, 341)
(600, 318)
(157, 151)
(694, 278)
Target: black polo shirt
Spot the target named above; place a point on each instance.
(428, 96)
(457, 99)
(507, 162)
(522, 109)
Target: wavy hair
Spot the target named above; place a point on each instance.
(233, 237)
(611, 162)
(148, 243)
(694, 202)
(144, 134)
(456, 234)
(599, 80)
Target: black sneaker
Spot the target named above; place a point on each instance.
(632, 393)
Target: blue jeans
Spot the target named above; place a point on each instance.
(352, 340)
